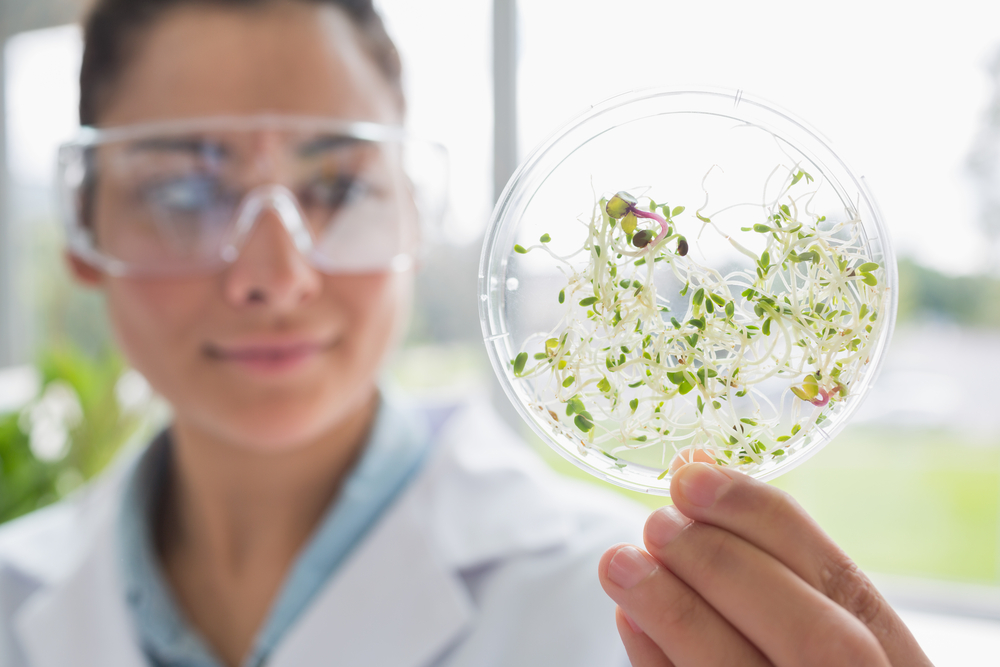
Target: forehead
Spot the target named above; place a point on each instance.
(288, 57)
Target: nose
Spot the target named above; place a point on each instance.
(270, 270)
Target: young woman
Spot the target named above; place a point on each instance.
(245, 210)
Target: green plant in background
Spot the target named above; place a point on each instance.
(88, 407)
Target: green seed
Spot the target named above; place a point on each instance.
(642, 239)
(519, 361)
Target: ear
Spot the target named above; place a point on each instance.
(84, 273)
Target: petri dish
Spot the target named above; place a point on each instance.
(749, 337)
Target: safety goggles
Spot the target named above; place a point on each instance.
(182, 197)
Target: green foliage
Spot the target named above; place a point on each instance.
(28, 482)
(968, 300)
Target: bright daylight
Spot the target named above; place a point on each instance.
(486, 332)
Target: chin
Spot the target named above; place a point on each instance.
(286, 423)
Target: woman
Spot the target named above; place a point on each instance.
(248, 220)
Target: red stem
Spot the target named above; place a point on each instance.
(649, 215)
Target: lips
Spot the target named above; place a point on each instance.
(267, 356)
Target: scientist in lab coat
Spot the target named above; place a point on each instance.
(242, 202)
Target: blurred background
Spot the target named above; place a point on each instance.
(909, 96)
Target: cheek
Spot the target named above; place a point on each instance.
(377, 309)
(155, 321)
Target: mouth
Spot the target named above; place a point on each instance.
(268, 356)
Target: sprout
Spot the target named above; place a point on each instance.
(731, 366)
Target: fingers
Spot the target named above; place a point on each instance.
(787, 619)
(642, 651)
(675, 618)
(770, 520)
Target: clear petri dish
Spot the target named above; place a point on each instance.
(733, 304)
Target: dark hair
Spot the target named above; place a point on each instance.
(111, 33)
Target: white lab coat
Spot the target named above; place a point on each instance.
(486, 559)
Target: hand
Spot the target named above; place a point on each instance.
(736, 573)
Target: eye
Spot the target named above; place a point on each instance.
(333, 193)
(184, 195)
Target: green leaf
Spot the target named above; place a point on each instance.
(540, 355)
(767, 327)
(604, 385)
(702, 218)
(867, 267)
(698, 297)
(620, 204)
(545, 238)
(796, 429)
(677, 211)
(801, 394)
(685, 387)
(763, 229)
(519, 361)
(676, 377)
(634, 403)
(641, 438)
(629, 222)
(562, 296)
(583, 423)
(719, 301)
(519, 249)
(869, 279)
(569, 381)
(589, 301)
(730, 309)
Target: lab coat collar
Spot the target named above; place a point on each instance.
(78, 614)
(399, 599)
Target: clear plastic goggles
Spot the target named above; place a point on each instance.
(183, 196)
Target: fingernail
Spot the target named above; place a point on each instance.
(664, 525)
(628, 567)
(702, 484)
(632, 624)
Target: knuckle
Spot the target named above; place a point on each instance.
(848, 587)
(682, 614)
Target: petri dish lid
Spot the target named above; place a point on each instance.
(732, 162)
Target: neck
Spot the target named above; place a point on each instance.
(228, 502)
(232, 521)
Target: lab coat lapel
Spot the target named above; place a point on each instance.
(394, 602)
(82, 619)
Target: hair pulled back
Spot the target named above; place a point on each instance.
(113, 31)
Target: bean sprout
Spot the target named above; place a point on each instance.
(738, 366)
